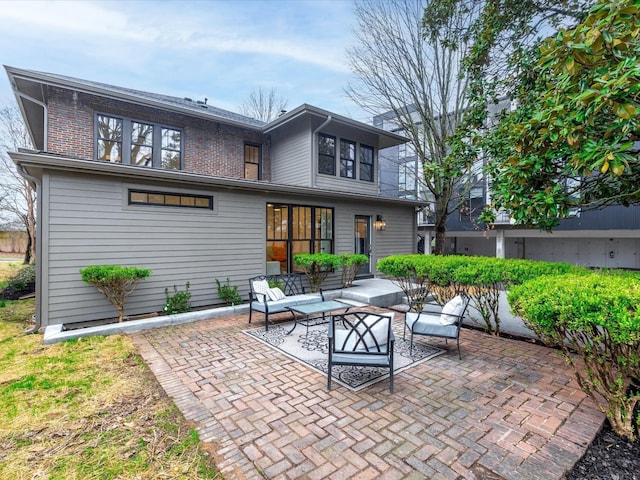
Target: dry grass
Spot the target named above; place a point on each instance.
(86, 409)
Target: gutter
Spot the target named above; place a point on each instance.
(314, 150)
(36, 317)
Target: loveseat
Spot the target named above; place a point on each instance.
(275, 293)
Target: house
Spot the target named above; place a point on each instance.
(192, 192)
(607, 238)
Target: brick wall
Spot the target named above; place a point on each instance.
(210, 148)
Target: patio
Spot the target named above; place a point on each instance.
(508, 410)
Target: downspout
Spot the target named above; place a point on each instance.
(314, 150)
(36, 317)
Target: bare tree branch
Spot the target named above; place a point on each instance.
(17, 196)
(416, 74)
(263, 104)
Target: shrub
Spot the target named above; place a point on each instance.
(596, 316)
(22, 283)
(116, 282)
(178, 302)
(228, 293)
(482, 278)
(350, 264)
(316, 266)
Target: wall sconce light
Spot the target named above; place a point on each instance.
(380, 223)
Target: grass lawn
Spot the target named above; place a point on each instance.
(86, 409)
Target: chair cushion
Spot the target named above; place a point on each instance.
(374, 328)
(260, 288)
(452, 311)
(275, 294)
(425, 324)
(345, 343)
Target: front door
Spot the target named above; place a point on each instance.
(363, 241)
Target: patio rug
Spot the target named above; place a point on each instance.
(312, 351)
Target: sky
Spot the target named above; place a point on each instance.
(221, 50)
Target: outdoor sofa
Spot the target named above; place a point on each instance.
(275, 293)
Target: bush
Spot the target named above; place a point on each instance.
(22, 283)
(350, 264)
(178, 302)
(596, 316)
(228, 293)
(317, 266)
(482, 278)
(116, 282)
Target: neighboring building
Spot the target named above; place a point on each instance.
(607, 238)
(192, 192)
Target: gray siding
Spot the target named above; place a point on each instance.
(178, 245)
(89, 222)
(291, 155)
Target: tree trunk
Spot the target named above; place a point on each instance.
(27, 254)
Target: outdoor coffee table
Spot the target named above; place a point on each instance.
(312, 311)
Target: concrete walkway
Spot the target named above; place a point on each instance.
(508, 410)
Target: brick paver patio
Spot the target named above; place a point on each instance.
(508, 410)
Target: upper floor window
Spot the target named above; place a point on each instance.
(407, 183)
(252, 162)
(366, 163)
(347, 158)
(326, 154)
(123, 140)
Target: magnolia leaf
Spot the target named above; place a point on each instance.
(626, 111)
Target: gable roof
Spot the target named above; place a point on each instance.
(28, 88)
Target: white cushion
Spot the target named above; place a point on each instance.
(275, 294)
(378, 331)
(260, 288)
(452, 310)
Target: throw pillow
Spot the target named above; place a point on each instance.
(260, 288)
(373, 328)
(276, 294)
(452, 310)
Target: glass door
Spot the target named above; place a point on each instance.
(362, 241)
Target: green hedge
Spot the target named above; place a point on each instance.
(116, 282)
(595, 315)
(482, 278)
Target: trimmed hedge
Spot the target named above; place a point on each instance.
(482, 278)
(597, 316)
(115, 282)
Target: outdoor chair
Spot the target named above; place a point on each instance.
(444, 323)
(361, 339)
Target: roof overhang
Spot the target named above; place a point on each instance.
(386, 139)
(36, 163)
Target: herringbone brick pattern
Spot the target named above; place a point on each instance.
(508, 410)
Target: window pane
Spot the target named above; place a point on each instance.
(142, 156)
(277, 227)
(366, 163)
(172, 199)
(347, 158)
(187, 201)
(251, 171)
(109, 128)
(109, 151)
(301, 222)
(156, 198)
(139, 197)
(141, 134)
(326, 154)
(170, 160)
(171, 149)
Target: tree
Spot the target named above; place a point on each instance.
(414, 73)
(264, 104)
(501, 35)
(115, 282)
(17, 194)
(571, 143)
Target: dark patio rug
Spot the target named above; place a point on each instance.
(312, 350)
